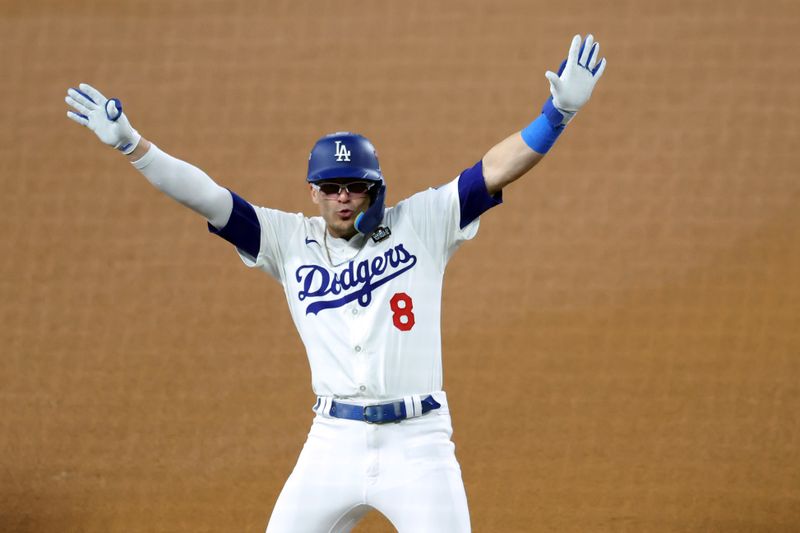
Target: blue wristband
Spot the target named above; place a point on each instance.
(542, 133)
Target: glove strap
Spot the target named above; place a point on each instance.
(555, 116)
(129, 145)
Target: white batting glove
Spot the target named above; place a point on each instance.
(573, 85)
(103, 116)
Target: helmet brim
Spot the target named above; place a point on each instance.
(345, 172)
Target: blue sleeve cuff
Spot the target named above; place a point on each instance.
(243, 229)
(473, 196)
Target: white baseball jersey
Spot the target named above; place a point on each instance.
(369, 310)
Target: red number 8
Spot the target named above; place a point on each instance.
(402, 315)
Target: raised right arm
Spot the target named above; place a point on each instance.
(183, 182)
(178, 179)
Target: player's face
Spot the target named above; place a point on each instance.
(339, 206)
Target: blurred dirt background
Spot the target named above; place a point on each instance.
(622, 340)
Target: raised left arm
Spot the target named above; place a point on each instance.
(570, 89)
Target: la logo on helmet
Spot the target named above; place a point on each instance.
(342, 153)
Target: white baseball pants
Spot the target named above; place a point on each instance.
(407, 471)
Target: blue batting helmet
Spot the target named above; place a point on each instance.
(350, 155)
(343, 155)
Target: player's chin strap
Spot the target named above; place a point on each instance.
(368, 221)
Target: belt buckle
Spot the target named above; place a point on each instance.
(372, 414)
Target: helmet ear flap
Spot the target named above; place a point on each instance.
(369, 220)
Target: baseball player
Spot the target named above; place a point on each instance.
(363, 282)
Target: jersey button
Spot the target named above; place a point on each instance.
(358, 348)
(362, 388)
(355, 311)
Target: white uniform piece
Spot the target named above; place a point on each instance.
(408, 471)
(369, 314)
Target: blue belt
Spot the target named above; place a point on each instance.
(381, 413)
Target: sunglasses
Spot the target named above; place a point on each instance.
(355, 189)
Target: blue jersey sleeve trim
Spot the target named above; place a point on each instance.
(243, 229)
(474, 197)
